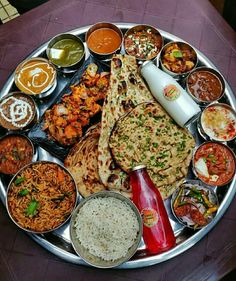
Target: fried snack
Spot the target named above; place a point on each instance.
(65, 121)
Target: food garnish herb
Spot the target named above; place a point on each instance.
(177, 54)
(23, 192)
(32, 208)
(18, 181)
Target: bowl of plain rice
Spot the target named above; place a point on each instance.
(106, 229)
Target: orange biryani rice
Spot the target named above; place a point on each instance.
(41, 197)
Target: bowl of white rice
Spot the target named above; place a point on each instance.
(106, 229)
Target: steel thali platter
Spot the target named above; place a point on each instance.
(58, 241)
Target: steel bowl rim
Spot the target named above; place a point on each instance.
(200, 127)
(193, 165)
(215, 73)
(109, 25)
(199, 184)
(177, 74)
(121, 197)
(62, 35)
(9, 186)
(148, 26)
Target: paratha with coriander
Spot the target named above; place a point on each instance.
(148, 135)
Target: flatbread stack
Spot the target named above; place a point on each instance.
(147, 135)
(127, 90)
(82, 162)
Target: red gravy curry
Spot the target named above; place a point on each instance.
(104, 41)
(15, 152)
(219, 162)
(205, 86)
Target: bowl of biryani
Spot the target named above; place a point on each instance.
(41, 197)
(106, 229)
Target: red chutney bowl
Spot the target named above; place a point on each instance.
(214, 163)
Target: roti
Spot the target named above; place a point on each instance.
(82, 162)
(148, 135)
(127, 89)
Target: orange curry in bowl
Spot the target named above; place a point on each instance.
(104, 41)
(214, 163)
(35, 76)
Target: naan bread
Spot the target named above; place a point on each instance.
(82, 162)
(127, 89)
(147, 135)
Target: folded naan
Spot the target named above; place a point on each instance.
(127, 89)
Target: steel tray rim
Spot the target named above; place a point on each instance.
(150, 260)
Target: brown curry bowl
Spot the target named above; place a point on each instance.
(205, 85)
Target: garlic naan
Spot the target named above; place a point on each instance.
(148, 135)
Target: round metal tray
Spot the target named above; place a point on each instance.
(58, 241)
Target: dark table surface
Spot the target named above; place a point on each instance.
(197, 22)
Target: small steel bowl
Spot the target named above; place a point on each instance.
(181, 45)
(211, 71)
(144, 28)
(6, 140)
(24, 200)
(48, 84)
(212, 130)
(70, 67)
(84, 253)
(103, 25)
(9, 111)
(183, 189)
(210, 157)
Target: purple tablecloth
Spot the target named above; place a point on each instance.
(194, 21)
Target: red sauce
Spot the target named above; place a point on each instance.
(104, 41)
(220, 162)
(205, 86)
(15, 152)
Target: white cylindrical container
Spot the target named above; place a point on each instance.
(176, 101)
